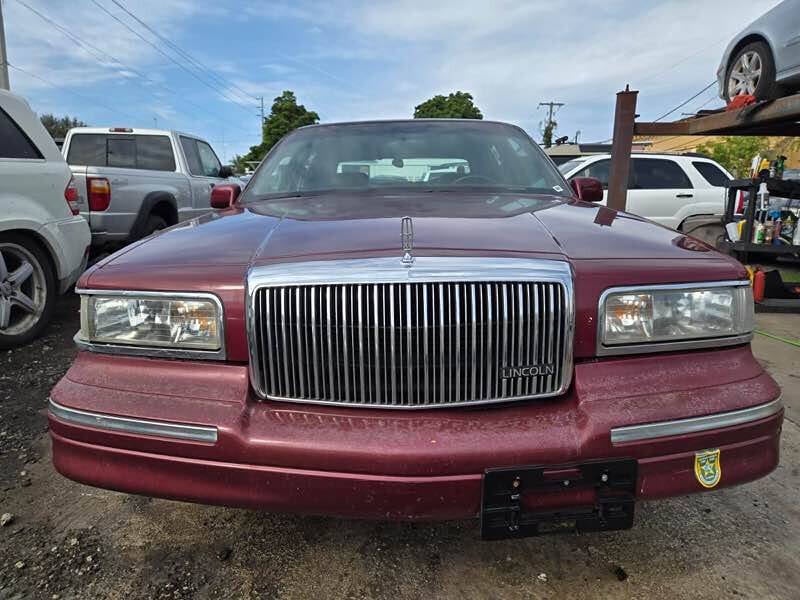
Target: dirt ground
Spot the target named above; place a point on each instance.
(71, 541)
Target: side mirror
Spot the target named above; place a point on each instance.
(224, 195)
(587, 189)
(225, 171)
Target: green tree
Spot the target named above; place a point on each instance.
(286, 115)
(58, 127)
(548, 130)
(735, 153)
(458, 105)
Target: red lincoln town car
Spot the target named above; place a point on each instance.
(417, 320)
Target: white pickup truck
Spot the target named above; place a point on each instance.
(132, 182)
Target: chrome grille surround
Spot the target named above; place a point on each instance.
(383, 369)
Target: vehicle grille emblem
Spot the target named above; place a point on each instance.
(407, 239)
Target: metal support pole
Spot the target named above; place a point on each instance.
(624, 118)
(4, 83)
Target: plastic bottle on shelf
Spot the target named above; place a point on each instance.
(758, 233)
(740, 229)
(788, 227)
(769, 227)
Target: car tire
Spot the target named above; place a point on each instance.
(154, 223)
(27, 299)
(758, 57)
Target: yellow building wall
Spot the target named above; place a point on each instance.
(689, 143)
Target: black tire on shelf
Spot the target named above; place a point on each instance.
(767, 88)
(41, 261)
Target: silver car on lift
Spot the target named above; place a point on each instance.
(764, 59)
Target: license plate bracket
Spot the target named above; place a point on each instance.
(612, 483)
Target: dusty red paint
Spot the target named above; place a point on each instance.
(215, 255)
(372, 452)
(394, 464)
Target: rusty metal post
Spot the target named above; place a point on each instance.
(624, 118)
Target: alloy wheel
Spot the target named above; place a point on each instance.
(23, 289)
(745, 75)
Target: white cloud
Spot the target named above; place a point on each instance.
(511, 54)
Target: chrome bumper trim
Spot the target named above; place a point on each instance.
(195, 433)
(635, 433)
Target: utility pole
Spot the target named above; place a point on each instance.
(547, 133)
(552, 106)
(4, 83)
(261, 98)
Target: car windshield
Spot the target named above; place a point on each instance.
(419, 155)
(570, 165)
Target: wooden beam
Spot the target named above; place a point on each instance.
(778, 117)
(624, 118)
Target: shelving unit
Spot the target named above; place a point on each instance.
(744, 247)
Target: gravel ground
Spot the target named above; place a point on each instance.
(66, 540)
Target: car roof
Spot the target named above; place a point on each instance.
(133, 131)
(408, 121)
(686, 156)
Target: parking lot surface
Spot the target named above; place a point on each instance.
(66, 540)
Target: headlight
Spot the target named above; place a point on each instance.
(675, 313)
(181, 321)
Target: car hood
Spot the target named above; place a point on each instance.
(341, 226)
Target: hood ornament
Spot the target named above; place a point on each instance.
(407, 240)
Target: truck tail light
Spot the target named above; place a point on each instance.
(71, 196)
(98, 189)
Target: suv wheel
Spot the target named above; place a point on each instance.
(27, 290)
(752, 71)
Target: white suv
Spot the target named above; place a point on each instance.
(678, 191)
(44, 242)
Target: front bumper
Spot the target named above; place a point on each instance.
(140, 436)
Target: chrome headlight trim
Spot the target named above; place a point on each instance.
(153, 351)
(665, 346)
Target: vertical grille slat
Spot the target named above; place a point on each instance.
(410, 344)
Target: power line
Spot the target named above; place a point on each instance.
(196, 63)
(685, 102)
(675, 137)
(168, 57)
(57, 86)
(101, 55)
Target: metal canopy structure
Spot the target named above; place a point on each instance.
(776, 117)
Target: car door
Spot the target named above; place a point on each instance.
(204, 167)
(782, 26)
(710, 181)
(657, 189)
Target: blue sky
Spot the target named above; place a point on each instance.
(354, 59)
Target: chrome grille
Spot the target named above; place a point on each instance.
(410, 344)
